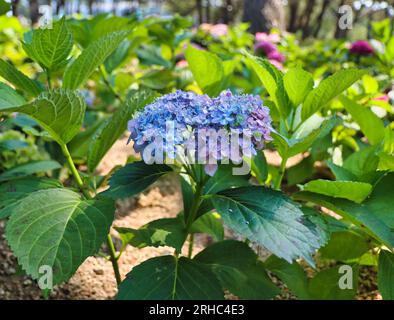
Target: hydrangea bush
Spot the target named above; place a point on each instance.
(59, 212)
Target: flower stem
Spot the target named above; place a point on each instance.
(281, 174)
(78, 179)
(114, 259)
(74, 171)
(191, 243)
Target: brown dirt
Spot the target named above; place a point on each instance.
(95, 279)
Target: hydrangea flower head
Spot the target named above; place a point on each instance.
(361, 47)
(204, 126)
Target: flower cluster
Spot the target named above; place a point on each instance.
(215, 30)
(361, 47)
(270, 50)
(208, 126)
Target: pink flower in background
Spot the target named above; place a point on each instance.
(361, 47)
(277, 64)
(262, 36)
(182, 64)
(219, 30)
(265, 47)
(269, 50)
(383, 97)
(277, 56)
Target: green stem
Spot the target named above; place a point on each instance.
(74, 171)
(191, 243)
(114, 259)
(194, 208)
(78, 179)
(281, 174)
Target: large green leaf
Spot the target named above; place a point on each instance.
(134, 178)
(344, 246)
(162, 232)
(60, 112)
(268, 217)
(114, 127)
(9, 97)
(355, 191)
(325, 285)
(50, 47)
(225, 179)
(328, 89)
(207, 69)
(170, 278)
(28, 169)
(91, 58)
(386, 274)
(14, 190)
(298, 83)
(370, 124)
(272, 80)
(211, 224)
(18, 79)
(375, 215)
(292, 274)
(56, 228)
(238, 269)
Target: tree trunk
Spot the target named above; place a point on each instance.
(339, 32)
(319, 19)
(90, 6)
(227, 16)
(199, 11)
(208, 12)
(264, 15)
(293, 10)
(15, 5)
(307, 18)
(59, 5)
(34, 13)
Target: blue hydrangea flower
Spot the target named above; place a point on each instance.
(205, 125)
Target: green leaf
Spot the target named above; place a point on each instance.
(344, 246)
(28, 169)
(292, 274)
(9, 97)
(4, 7)
(207, 69)
(225, 179)
(268, 217)
(370, 124)
(300, 172)
(211, 224)
(363, 164)
(91, 58)
(169, 278)
(386, 274)
(325, 285)
(162, 232)
(18, 79)
(238, 269)
(341, 173)
(298, 83)
(375, 215)
(50, 47)
(60, 112)
(355, 191)
(14, 190)
(328, 89)
(272, 80)
(134, 178)
(56, 228)
(113, 128)
(260, 167)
